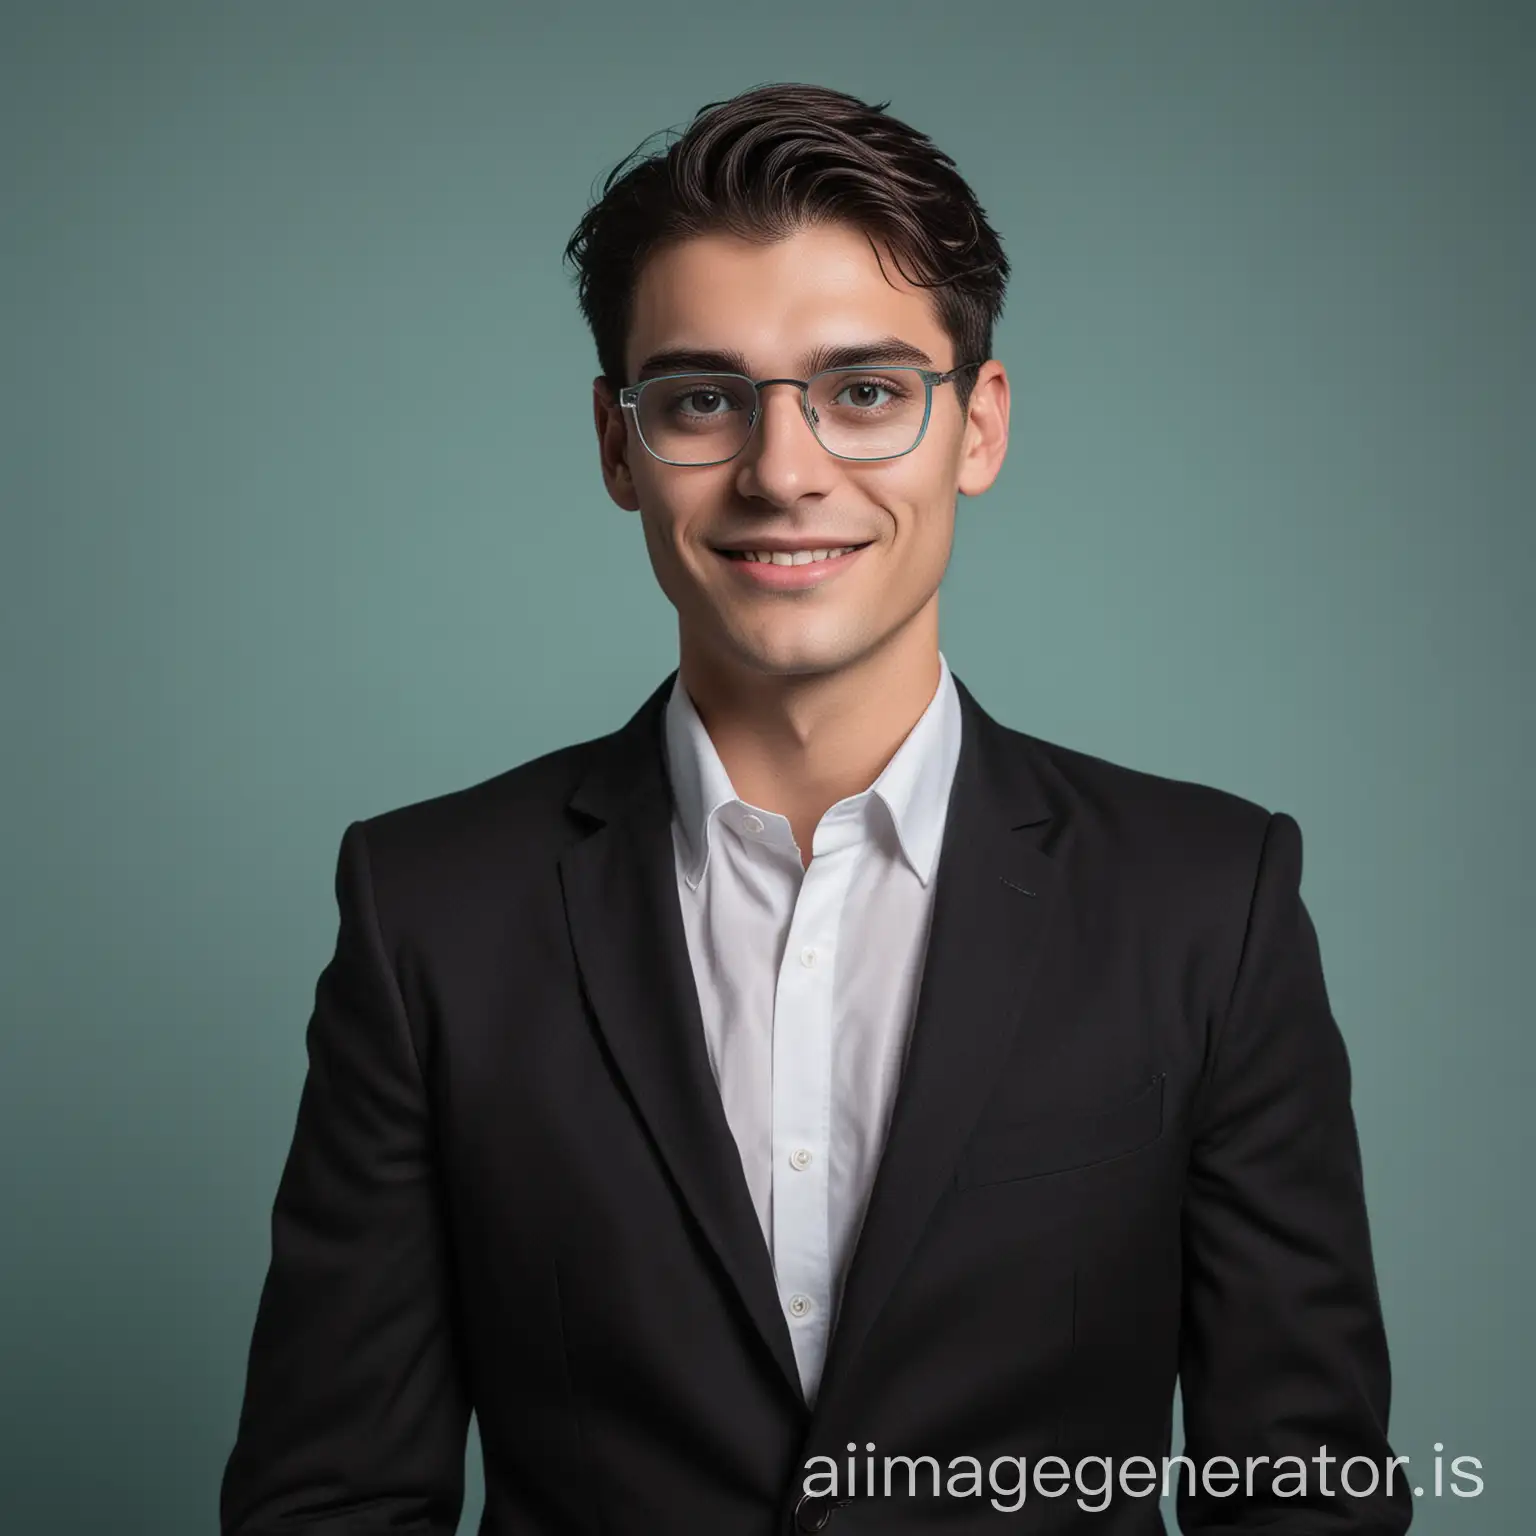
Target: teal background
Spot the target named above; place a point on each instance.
(302, 520)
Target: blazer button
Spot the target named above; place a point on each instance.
(812, 1513)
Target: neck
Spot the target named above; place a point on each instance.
(798, 744)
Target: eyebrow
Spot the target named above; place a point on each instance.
(890, 350)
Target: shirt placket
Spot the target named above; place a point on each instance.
(803, 1023)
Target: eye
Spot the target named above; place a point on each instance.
(865, 394)
(699, 400)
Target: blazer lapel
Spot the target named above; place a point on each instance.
(997, 882)
(626, 926)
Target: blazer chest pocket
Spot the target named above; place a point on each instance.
(1057, 1143)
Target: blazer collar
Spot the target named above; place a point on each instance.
(628, 769)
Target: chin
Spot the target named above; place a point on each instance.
(798, 655)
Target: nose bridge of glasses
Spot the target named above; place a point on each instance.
(806, 409)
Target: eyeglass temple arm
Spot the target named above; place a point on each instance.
(944, 378)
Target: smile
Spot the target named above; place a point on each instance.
(789, 570)
(789, 557)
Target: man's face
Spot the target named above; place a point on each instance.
(777, 306)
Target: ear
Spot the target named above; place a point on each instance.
(985, 443)
(613, 445)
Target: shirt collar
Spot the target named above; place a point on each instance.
(914, 785)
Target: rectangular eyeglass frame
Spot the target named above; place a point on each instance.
(629, 400)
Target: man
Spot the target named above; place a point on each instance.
(815, 1077)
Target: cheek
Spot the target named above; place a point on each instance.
(665, 524)
(922, 517)
(677, 512)
(662, 552)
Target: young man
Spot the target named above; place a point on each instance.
(816, 1104)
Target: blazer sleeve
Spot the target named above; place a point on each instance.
(356, 1410)
(1282, 1347)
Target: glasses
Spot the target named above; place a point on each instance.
(856, 413)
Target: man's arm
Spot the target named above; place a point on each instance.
(356, 1411)
(1282, 1349)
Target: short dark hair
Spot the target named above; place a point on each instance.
(776, 159)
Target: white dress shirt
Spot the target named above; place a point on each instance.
(807, 980)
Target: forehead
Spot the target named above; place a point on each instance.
(774, 303)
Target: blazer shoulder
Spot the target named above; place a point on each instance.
(1152, 816)
(518, 814)
(1178, 859)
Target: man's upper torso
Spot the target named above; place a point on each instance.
(1120, 1147)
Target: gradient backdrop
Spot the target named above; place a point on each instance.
(302, 520)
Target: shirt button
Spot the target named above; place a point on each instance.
(800, 1158)
(752, 823)
(799, 1305)
(808, 957)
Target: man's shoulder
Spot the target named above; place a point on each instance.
(1140, 791)
(1174, 859)
(517, 817)
(1136, 816)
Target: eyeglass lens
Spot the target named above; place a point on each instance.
(857, 413)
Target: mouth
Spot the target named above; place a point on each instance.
(788, 570)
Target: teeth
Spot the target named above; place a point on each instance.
(787, 557)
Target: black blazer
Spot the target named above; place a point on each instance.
(1122, 1151)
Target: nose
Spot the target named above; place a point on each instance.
(784, 461)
